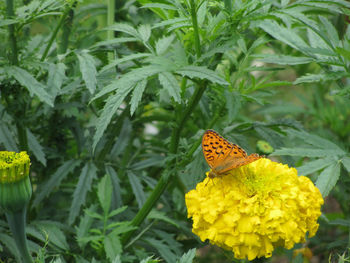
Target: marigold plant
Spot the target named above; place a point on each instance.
(255, 208)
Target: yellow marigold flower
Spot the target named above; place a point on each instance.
(255, 208)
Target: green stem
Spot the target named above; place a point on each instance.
(166, 177)
(110, 21)
(17, 223)
(22, 136)
(12, 36)
(197, 43)
(54, 33)
(66, 29)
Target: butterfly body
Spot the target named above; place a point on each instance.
(222, 155)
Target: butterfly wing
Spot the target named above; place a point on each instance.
(218, 151)
(222, 155)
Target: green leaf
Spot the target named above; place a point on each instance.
(283, 59)
(346, 163)
(332, 33)
(137, 95)
(314, 166)
(55, 180)
(156, 160)
(171, 85)
(112, 104)
(86, 177)
(163, 249)
(54, 233)
(315, 140)
(144, 32)
(117, 211)
(10, 245)
(116, 189)
(118, 61)
(88, 70)
(307, 152)
(328, 179)
(112, 246)
(201, 73)
(285, 35)
(188, 256)
(174, 21)
(29, 82)
(6, 22)
(7, 138)
(104, 193)
(114, 41)
(120, 27)
(129, 79)
(163, 44)
(56, 76)
(35, 147)
(233, 103)
(137, 188)
(327, 76)
(84, 226)
(158, 215)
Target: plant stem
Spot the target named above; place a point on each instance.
(67, 28)
(17, 223)
(54, 33)
(167, 175)
(12, 36)
(195, 28)
(110, 21)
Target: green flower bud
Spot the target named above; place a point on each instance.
(15, 186)
(263, 147)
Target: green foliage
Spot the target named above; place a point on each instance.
(113, 123)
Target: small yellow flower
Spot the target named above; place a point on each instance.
(255, 208)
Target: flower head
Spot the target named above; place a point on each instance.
(264, 147)
(15, 187)
(255, 208)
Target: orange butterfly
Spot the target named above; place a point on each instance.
(222, 155)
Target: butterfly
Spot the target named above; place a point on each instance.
(222, 155)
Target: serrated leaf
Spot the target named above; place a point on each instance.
(170, 22)
(315, 140)
(233, 103)
(87, 174)
(307, 152)
(36, 148)
(163, 44)
(116, 190)
(104, 193)
(137, 189)
(7, 138)
(129, 79)
(120, 27)
(328, 179)
(188, 256)
(56, 76)
(327, 76)
(124, 59)
(114, 41)
(54, 181)
(332, 33)
(117, 211)
(284, 60)
(201, 73)
(163, 249)
(54, 233)
(156, 160)
(314, 166)
(29, 82)
(154, 214)
(171, 85)
(84, 226)
(112, 246)
(88, 70)
(112, 104)
(137, 95)
(144, 32)
(346, 163)
(287, 36)
(6, 22)
(10, 245)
